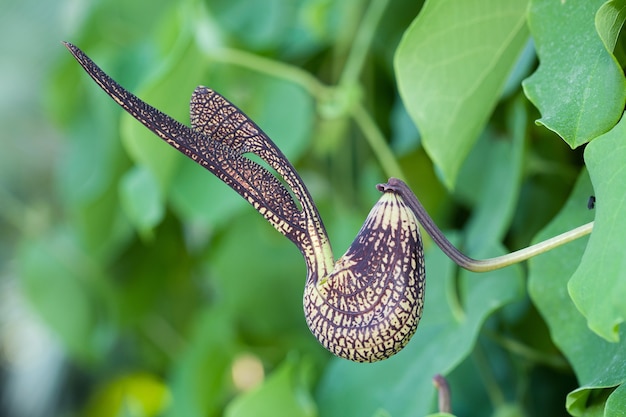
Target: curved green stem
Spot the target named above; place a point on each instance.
(270, 67)
(377, 141)
(498, 262)
(444, 401)
(464, 261)
(322, 92)
(251, 61)
(362, 41)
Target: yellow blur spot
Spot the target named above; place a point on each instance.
(247, 372)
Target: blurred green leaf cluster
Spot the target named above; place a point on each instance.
(168, 295)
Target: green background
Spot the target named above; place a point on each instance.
(134, 283)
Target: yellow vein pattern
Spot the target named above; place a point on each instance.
(369, 306)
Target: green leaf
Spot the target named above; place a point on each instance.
(599, 285)
(609, 21)
(616, 403)
(451, 66)
(102, 224)
(285, 392)
(59, 280)
(87, 178)
(597, 363)
(445, 336)
(93, 154)
(580, 72)
(142, 199)
(259, 25)
(585, 402)
(509, 410)
(200, 198)
(200, 376)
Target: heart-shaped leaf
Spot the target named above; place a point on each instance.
(581, 72)
(599, 285)
(597, 363)
(451, 67)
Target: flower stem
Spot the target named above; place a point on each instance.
(362, 42)
(377, 141)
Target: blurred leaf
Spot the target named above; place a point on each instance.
(296, 29)
(285, 392)
(258, 25)
(103, 225)
(201, 379)
(92, 163)
(142, 199)
(451, 66)
(445, 336)
(598, 364)
(468, 397)
(508, 410)
(93, 156)
(404, 135)
(132, 395)
(199, 197)
(497, 159)
(398, 16)
(69, 295)
(524, 66)
(599, 285)
(330, 134)
(585, 77)
(260, 278)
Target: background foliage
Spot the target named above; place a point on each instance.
(133, 283)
